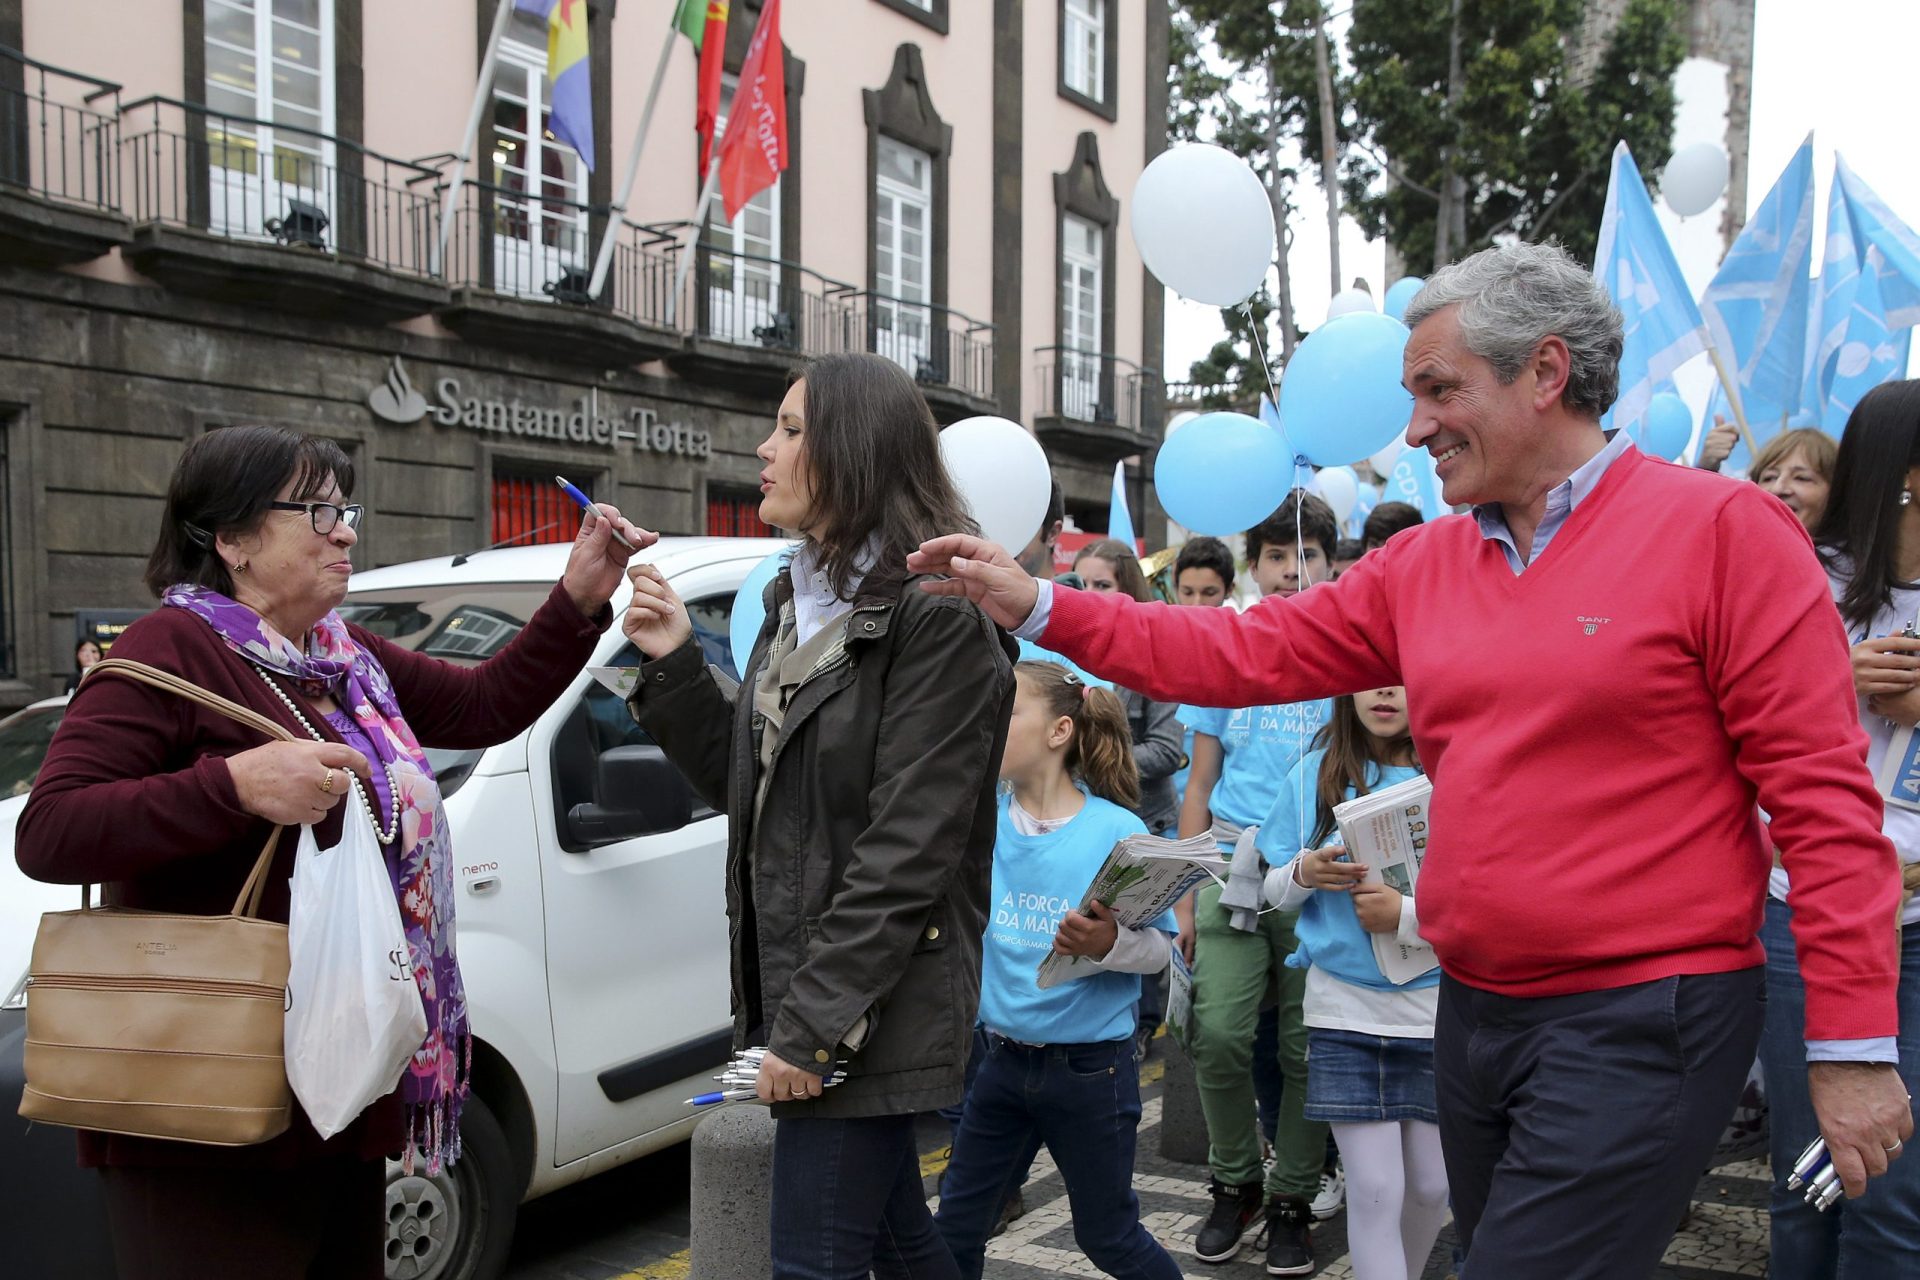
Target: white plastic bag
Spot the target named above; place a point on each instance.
(354, 1016)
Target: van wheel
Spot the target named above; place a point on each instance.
(457, 1225)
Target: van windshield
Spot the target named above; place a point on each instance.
(464, 623)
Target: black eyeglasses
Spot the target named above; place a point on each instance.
(324, 515)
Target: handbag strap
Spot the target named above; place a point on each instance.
(247, 903)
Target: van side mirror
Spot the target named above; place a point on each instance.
(641, 794)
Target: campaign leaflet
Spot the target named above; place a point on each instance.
(1387, 831)
(1140, 880)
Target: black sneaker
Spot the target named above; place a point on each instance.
(1234, 1210)
(1289, 1237)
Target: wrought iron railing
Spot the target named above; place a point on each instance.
(249, 179)
(55, 142)
(758, 301)
(1094, 387)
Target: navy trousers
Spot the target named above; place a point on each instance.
(1576, 1127)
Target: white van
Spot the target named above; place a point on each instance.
(591, 909)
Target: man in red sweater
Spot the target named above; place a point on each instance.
(1611, 663)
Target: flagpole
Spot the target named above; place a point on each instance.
(482, 93)
(1733, 401)
(693, 235)
(617, 215)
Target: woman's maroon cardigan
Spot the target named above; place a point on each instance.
(135, 794)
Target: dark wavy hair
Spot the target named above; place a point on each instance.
(1860, 531)
(1203, 552)
(222, 485)
(873, 457)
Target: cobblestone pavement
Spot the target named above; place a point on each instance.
(631, 1224)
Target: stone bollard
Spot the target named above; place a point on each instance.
(732, 1191)
(1183, 1127)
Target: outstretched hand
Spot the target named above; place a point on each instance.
(981, 571)
(598, 561)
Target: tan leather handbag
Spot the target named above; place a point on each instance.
(160, 1025)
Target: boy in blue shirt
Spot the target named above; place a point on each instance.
(1241, 758)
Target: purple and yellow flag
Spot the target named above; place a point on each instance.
(571, 116)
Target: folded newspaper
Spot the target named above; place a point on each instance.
(1139, 881)
(1388, 831)
(1179, 1015)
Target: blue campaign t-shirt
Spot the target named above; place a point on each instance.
(1036, 881)
(1261, 746)
(1329, 931)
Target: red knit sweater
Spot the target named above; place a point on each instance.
(1598, 728)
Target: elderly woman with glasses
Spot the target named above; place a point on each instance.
(167, 804)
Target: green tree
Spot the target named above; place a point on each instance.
(1467, 124)
(1230, 373)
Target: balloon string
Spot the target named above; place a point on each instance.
(1299, 547)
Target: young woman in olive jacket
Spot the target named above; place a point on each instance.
(857, 764)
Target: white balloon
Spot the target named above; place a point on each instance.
(1348, 301)
(1382, 462)
(1002, 472)
(1341, 488)
(1203, 224)
(1695, 178)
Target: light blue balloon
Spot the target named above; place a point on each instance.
(749, 610)
(1341, 398)
(1031, 652)
(1222, 473)
(1666, 428)
(1400, 294)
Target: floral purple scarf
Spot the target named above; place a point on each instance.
(420, 860)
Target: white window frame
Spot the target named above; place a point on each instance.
(1080, 329)
(901, 322)
(743, 295)
(240, 201)
(1084, 39)
(525, 265)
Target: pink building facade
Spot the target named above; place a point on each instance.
(223, 211)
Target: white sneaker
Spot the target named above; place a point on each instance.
(1333, 1194)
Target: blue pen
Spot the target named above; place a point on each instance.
(586, 504)
(731, 1095)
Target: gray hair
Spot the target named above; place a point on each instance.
(1513, 297)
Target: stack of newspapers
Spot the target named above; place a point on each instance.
(1139, 881)
(1387, 832)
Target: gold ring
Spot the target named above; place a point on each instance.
(327, 786)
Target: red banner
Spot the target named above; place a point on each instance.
(713, 61)
(754, 152)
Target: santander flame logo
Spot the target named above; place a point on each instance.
(395, 400)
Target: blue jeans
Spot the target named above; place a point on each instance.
(1878, 1234)
(976, 1055)
(847, 1200)
(1083, 1101)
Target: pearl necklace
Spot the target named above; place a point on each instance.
(366, 799)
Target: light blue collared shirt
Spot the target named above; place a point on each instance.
(1562, 500)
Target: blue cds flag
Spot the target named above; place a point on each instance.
(1413, 480)
(1636, 264)
(1755, 308)
(1856, 340)
(1119, 519)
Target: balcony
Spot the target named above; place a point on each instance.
(520, 265)
(247, 211)
(1094, 406)
(59, 158)
(754, 320)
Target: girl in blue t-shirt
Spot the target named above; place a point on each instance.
(1369, 1042)
(1059, 1065)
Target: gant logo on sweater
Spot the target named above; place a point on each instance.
(1591, 625)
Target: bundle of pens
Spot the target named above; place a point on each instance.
(738, 1081)
(1814, 1170)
